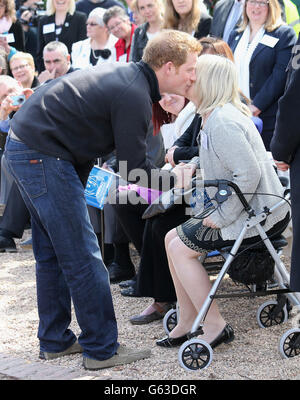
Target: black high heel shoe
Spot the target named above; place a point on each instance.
(172, 342)
(226, 336)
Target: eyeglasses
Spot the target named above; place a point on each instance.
(91, 24)
(115, 26)
(258, 3)
(20, 67)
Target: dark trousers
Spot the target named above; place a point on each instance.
(153, 278)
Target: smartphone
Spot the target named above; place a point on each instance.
(18, 100)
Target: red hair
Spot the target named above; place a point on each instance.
(161, 117)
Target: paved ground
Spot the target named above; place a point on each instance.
(19, 369)
(12, 368)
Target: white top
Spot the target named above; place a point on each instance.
(81, 51)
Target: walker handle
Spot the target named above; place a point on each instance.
(222, 185)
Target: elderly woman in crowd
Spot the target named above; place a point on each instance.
(262, 48)
(118, 23)
(152, 12)
(23, 69)
(97, 48)
(61, 23)
(231, 148)
(187, 16)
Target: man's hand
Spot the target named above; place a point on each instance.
(46, 75)
(255, 111)
(6, 106)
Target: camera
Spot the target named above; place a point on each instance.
(18, 100)
(36, 12)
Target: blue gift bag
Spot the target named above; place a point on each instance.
(97, 186)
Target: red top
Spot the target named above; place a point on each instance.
(120, 45)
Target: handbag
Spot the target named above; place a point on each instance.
(195, 197)
(167, 201)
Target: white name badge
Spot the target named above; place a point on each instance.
(49, 28)
(269, 40)
(9, 37)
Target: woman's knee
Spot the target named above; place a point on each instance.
(172, 234)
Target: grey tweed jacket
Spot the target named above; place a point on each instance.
(231, 148)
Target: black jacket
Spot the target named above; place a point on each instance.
(187, 142)
(203, 27)
(73, 30)
(89, 113)
(140, 38)
(139, 41)
(285, 146)
(17, 30)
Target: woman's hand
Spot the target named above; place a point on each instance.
(5, 45)
(281, 165)
(208, 222)
(184, 173)
(169, 156)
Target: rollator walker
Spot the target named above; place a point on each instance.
(195, 354)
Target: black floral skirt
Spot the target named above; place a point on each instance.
(204, 239)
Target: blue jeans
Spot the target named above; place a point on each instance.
(68, 259)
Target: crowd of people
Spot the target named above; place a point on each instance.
(152, 83)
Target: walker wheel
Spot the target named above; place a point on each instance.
(195, 354)
(289, 345)
(264, 316)
(170, 320)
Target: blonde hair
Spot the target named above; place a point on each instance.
(51, 8)
(273, 21)
(159, 3)
(170, 45)
(217, 84)
(23, 56)
(172, 19)
(10, 9)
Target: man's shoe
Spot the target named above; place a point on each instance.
(123, 356)
(26, 244)
(8, 245)
(118, 273)
(75, 348)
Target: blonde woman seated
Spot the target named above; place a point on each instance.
(231, 148)
(98, 47)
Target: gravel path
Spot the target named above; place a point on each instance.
(253, 355)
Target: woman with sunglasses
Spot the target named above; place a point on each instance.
(262, 48)
(97, 48)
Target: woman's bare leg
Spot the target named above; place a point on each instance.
(192, 286)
